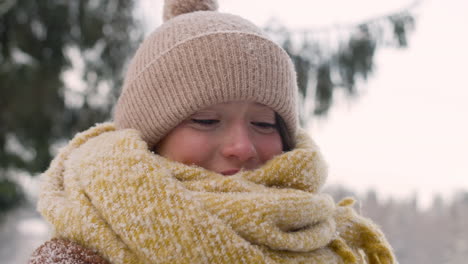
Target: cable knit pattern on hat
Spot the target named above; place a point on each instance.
(107, 191)
(198, 59)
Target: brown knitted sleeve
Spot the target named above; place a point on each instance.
(60, 251)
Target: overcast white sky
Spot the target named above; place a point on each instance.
(408, 131)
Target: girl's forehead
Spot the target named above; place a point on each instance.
(238, 105)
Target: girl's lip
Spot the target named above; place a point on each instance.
(230, 172)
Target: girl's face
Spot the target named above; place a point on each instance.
(224, 138)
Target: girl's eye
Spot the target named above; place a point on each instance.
(264, 126)
(205, 122)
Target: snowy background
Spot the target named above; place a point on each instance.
(406, 133)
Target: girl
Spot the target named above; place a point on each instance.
(204, 162)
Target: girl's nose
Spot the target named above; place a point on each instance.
(237, 144)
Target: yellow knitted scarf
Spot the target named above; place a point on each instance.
(108, 192)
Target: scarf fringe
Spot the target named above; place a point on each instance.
(364, 235)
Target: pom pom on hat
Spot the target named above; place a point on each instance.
(173, 8)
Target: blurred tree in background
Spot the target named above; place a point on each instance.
(39, 42)
(338, 57)
(62, 65)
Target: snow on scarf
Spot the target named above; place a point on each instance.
(108, 192)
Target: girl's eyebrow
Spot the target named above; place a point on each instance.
(265, 118)
(204, 112)
(263, 113)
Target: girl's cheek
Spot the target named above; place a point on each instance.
(269, 146)
(197, 148)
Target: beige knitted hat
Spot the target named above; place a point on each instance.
(200, 57)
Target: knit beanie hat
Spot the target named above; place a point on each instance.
(197, 58)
